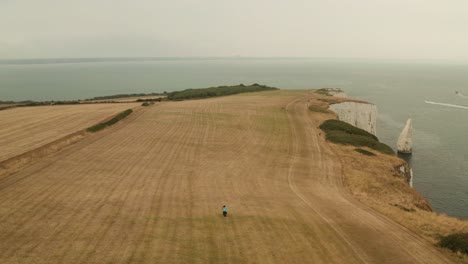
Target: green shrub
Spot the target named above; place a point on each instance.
(456, 242)
(337, 125)
(319, 109)
(114, 120)
(343, 133)
(145, 104)
(364, 152)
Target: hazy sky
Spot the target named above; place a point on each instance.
(395, 29)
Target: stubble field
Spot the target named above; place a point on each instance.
(27, 128)
(150, 190)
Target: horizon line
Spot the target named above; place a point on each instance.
(58, 60)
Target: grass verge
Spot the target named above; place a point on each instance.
(343, 133)
(111, 122)
(457, 242)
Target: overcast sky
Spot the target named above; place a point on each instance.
(394, 29)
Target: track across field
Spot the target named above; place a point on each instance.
(151, 191)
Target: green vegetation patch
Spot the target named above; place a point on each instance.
(343, 133)
(111, 122)
(323, 91)
(150, 100)
(41, 103)
(217, 91)
(33, 103)
(364, 152)
(7, 107)
(319, 109)
(7, 102)
(330, 101)
(457, 242)
(337, 125)
(117, 96)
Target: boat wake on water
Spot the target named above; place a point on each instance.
(460, 94)
(448, 105)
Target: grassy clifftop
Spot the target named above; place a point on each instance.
(217, 91)
(373, 178)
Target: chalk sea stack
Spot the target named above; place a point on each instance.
(405, 141)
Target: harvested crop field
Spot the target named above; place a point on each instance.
(151, 191)
(27, 128)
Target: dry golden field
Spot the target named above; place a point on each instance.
(150, 190)
(26, 128)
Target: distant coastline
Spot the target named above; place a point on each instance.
(26, 61)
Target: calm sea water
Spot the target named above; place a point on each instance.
(440, 159)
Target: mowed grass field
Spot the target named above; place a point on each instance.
(27, 128)
(151, 191)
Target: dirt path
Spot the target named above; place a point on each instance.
(373, 238)
(150, 191)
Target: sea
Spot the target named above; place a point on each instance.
(433, 94)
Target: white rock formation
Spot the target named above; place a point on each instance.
(404, 171)
(411, 180)
(361, 115)
(405, 141)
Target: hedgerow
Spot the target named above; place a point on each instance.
(111, 122)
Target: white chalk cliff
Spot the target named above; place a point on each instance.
(405, 141)
(361, 115)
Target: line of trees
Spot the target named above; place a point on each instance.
(150, 100)
(116, 96)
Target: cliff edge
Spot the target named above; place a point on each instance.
(382, 181)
